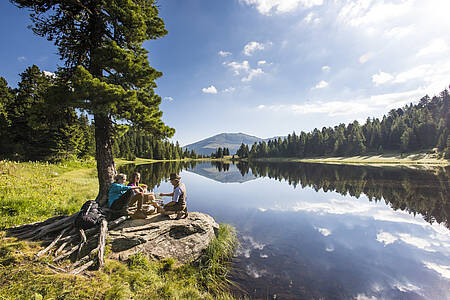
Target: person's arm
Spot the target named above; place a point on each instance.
(138, 188)
(167, 194)
(129, 187)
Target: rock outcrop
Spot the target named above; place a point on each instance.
(159, 237)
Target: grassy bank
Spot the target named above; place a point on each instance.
(416, 158)
(35, 191)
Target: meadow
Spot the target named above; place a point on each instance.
(33, 191)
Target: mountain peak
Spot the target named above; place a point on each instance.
(232, 141)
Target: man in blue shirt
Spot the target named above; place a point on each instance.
(120, 196)
(179, 195)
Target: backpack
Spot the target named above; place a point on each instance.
(90, 215)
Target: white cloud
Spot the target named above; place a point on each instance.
(254, 272)
(441, 269)
(229, 90)
(266, 7)
(252, 73)
(381, 78)
(435, 75)
(418, 72)
(251, 47)
(383, 102)
(399, 217)
(416, 242)
(253, 243)
(323, 231)
(386, 238)
(368, 12)
(364, 297)
(329, 249)
(326, 68)
(309, 17)
(244, 68)
(238, 67)
(398, 32)
(407, 287)
(365, 57)
(50, 74)
(210, 90)
(261, 62)
(247, 245)
(224, 53)
(436, 46)
(322, 84)
(168, 98)
(21, 58)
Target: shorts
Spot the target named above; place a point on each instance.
(176, 207)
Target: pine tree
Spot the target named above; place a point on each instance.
(6, 98)
(219, 153)
(106, 68)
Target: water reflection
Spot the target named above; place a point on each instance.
(425, 192)
(311, 231)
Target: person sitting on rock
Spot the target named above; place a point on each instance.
(178, 203)
(120, 197)
(147, 198)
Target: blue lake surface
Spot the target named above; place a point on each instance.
(310, 231)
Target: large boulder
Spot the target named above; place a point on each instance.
(159, 237)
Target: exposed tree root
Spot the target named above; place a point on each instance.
(63, 240)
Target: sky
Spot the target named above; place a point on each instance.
(271, 67)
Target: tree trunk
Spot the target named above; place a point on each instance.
(106, 169)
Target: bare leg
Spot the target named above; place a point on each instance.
(150, 198)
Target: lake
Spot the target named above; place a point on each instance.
(316, 231)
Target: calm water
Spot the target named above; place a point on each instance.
(310, 231)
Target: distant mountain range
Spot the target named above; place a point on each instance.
(231, 175)
(232, 141)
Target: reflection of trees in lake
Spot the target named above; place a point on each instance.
(153, 174)
(415, 191)
(221, 166)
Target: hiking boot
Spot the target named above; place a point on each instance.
(150, 211)
(139, 215)
(182, 214)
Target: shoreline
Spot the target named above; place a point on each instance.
(378, 160)
(385, 159)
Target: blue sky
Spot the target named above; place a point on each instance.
(270, 67)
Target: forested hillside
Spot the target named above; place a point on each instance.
(36, 124)
(134, 143)
(414, 127)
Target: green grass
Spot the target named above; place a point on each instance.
(36, 191)
(33, 191)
